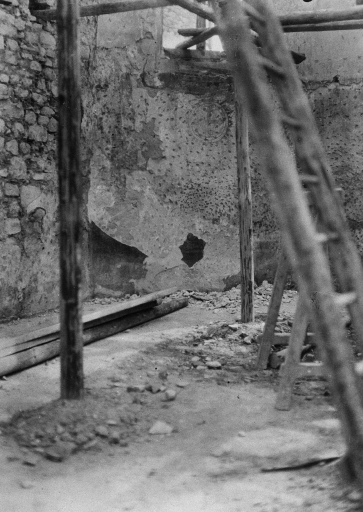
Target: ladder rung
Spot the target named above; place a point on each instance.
(290, 121)
(345, 299)
(324, 238)
(271, 67)
(309, 178)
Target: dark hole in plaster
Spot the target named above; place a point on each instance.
(115, 266)
(192, 249)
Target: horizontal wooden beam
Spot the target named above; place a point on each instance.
(214, 60)
(323, 16)
(198, 60)
(106, 8)
(200, 38)
(204, 11)
(325, 27)
(315, 27)
(131, 5)
(298, 22)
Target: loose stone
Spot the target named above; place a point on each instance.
(160, 428)
(213, 365)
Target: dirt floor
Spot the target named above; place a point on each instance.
(175, 418)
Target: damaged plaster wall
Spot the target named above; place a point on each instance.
(158, 157)
(163, 164)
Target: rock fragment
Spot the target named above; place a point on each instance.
(182, 384)
(354, 496)
(31, 459)
(160, 428)
(114, 437)
(214, 365)
(60, 451)
(169, 395)
(135, 388)
(101, 431)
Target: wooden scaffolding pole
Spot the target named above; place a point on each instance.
(305, 27)
(244, 207)
(204, 11)
(323, 16)
(325, 27)
(69, 199)
(199, 39)
(130, 5)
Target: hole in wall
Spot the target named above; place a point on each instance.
(192, 249)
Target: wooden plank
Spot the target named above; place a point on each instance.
(244, 207)
(130, 5)
(13, 348)
(104, 315)
(39, 354)
(70, 197)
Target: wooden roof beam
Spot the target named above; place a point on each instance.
(315, 27)
(131, 5)
(325, 27)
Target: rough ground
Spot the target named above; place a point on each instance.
(175, 418)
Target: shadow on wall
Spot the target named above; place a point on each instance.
(114, 265)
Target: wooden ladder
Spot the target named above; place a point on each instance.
(292, 368)
(303, 243)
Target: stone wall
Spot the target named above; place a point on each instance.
(158, 156)
(28, 123)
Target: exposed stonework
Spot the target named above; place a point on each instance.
(28, 248)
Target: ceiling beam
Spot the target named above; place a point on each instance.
(130, 5)
(324, 20)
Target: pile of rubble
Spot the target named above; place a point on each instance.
(230, 300)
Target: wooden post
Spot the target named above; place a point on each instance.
(69, 199)
(244, 208)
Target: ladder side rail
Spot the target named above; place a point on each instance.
(267, 337)
(312, 160)
(305, 254)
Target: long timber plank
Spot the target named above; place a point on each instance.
(51, 348)
(11, 345)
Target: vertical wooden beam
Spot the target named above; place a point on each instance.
(69, 199)
(244, 208)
